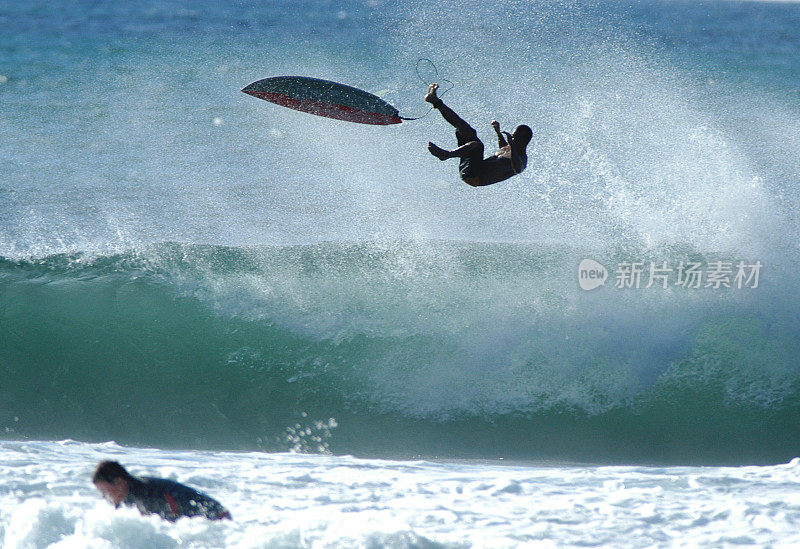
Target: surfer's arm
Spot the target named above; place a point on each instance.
(501, 141)
(516, 161)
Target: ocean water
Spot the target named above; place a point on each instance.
(318, 323)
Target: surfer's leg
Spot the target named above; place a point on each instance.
(452, 118)
(447, 113)
(465, 150)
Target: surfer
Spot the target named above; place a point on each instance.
(476, 171)
(166, 498)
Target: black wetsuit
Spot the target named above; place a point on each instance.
(171, 500)
(486, 171)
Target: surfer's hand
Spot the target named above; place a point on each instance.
(496, 125)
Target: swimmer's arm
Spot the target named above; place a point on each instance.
(501, 141)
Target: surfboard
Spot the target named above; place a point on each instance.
(324, 98)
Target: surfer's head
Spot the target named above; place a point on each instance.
(113, 481)
(522, 136)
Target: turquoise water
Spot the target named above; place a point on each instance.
(185, 266)
(439, 349)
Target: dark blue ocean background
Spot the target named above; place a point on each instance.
(182, 265)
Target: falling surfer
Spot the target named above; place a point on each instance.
(475, 170)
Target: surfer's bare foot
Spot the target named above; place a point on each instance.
(438, 152)
(431, 97)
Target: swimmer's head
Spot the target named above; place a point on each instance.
(112, 480)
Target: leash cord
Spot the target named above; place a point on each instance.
(424, 81)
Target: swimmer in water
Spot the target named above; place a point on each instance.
(166, 498)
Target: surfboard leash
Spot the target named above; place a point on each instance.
(436, 79)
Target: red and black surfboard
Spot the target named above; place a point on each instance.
(325, 98)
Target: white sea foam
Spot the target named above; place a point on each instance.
(294, 500)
